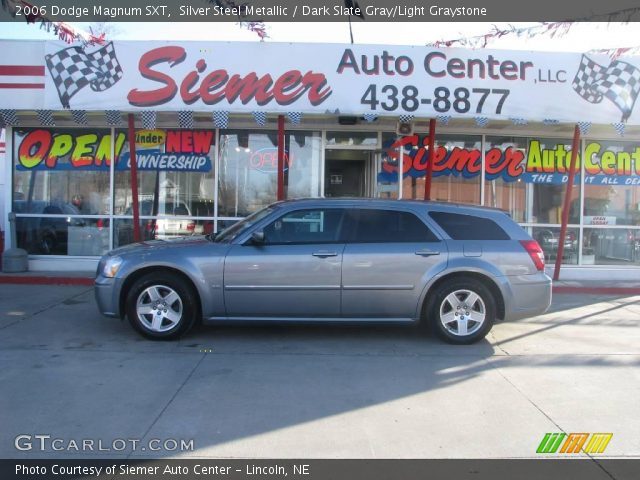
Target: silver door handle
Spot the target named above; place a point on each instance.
(324, 254)
(427, 253)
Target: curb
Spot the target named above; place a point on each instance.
(598, 290)
(44, 280)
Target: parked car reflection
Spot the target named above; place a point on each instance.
(45, 235)
(180, 223)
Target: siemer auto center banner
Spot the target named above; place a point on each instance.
(321, 78)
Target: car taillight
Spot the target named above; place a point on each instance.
(535, 252)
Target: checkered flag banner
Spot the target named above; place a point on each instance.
(584, 127)
(370, 117)
(45, 117)
(220, 118)
(619, 82)
(80, 117)
(148, 119)
(10, 117)
(443, 119)
(405, 118)
(114, 117)
(185, 119)
(295, 117)
(519, 121)
(260, 117)
(72, 69)
(619, 128)
(481, 121)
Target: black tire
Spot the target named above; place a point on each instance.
(183, 310)
(462, 289)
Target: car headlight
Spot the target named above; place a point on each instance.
(111, 266)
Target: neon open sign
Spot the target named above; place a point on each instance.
(265, 160)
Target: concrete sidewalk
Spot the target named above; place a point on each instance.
(316, 391)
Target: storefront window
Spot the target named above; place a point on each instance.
(69, 168)
(611, 183)
(175, 173)
(176, 179)
(387, 166)
(60, 177)
(249, 169)
(611, 246)
(457, 169)
(57, 232)
(503, 189)
(304, 150)
(549, 240)
(547, 170)
(61, 184)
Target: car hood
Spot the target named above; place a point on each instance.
(153, 245)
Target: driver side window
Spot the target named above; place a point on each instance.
(320, 225)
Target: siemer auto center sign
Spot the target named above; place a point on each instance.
(325, 78)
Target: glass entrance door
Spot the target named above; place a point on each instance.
(349, 173)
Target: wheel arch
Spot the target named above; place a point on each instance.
(137, 274)
(486, 280)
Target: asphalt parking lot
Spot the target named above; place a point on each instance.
(314, 391)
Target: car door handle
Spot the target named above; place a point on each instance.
(324, 254)
(427, 253)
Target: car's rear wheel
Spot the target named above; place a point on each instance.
(462, 311)
(160, 306)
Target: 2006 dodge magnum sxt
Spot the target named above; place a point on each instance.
(458, 268)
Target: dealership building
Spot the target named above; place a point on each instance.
(211, 121)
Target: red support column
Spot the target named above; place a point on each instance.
(429, 175)
(280, 157)
(134, 179)
(567, 202)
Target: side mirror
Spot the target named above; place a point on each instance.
(257, 238)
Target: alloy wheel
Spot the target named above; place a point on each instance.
(462, 312)
(159, 308)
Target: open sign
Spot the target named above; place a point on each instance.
(266, 160)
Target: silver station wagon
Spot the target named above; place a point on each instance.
(456, 268)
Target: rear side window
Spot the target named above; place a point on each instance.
(386, 226)
(468, 227)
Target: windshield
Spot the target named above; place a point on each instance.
(228, 234)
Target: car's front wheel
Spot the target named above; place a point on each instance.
(462, 311)
(161, 306)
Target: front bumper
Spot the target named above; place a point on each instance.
(107, 293)
(530, 295)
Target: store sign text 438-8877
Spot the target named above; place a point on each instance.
(443, 100)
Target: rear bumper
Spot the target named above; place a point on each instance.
(529, 295)
(107, 293)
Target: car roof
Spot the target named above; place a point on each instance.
(382, 202)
